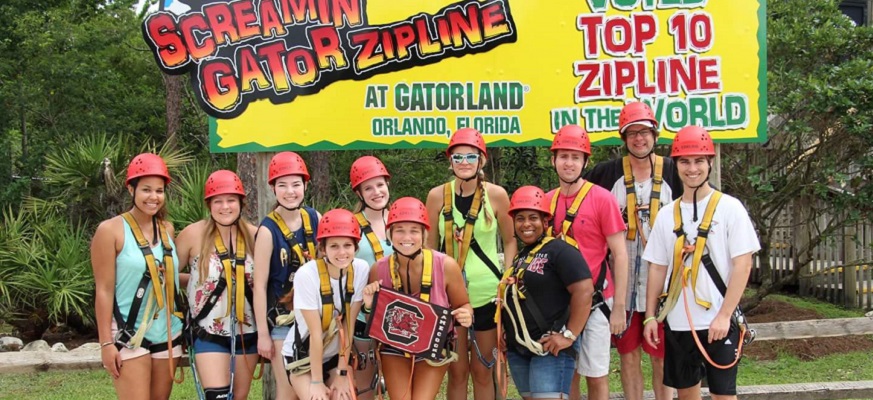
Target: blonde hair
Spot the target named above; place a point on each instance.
(209, 242)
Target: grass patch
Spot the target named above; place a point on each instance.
(786, 369)
(827, 310)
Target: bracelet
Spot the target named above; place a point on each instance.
(647, 320)
(367, 310)
(102, 345)
(316, 382)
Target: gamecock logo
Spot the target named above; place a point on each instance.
(402, 322)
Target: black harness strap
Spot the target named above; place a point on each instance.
(598, 302)
(474, 245)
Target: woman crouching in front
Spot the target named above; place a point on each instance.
(318, 368)
(404, 271)
(546, 299)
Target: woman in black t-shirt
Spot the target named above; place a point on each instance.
(545, 299)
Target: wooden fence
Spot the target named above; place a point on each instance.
(825, 278)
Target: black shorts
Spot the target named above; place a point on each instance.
(483, 317)
(326, 367)
(685, 366)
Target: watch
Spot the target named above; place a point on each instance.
(343, 372)
(568, 334)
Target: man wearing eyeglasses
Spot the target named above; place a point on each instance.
(645, 181)
(587, 217)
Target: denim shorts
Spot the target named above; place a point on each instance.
(207, 346)
(280, 332)
(541, 377)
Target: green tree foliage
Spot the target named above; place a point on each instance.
(818, 155)
(72, 69)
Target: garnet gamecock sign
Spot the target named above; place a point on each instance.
(410, 324)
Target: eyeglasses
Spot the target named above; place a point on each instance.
(644, 133)
(471, 158)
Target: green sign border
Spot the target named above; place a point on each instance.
(426, 144)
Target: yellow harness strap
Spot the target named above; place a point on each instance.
(327, 307)
(571, 214)
(654, 199)
(308, 235)
(680, 271)
(302, 255)
(426, 274)
(237, 267)
(371, 236)
(164, 284)
(470, 220)
(426, 284)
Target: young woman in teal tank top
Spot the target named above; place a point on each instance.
(368, 178)
(119, 266)
(476, 253)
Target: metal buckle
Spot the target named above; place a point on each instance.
(125, 344)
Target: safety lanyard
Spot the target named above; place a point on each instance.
(370, 235)
(327, 306)
(680, 249)
(304, 254)
(449, 236)
(426, 274)
(519, 266)
(571, 214)
(513, 280)
(231, 267)
(654, 199)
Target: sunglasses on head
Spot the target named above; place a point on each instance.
(471, 158)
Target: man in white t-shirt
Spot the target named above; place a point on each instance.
(701, 335)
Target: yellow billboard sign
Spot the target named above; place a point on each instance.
(355, 74)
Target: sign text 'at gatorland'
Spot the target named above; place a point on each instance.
(354, 74)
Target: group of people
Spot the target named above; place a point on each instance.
(585, 267)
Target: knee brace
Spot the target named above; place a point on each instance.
(222, 393)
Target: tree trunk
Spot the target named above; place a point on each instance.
(247, 168)
(173, 86)
(319, 170)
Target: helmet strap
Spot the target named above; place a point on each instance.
(648, 155)
(696, 188)
(409, 257)
(367, 205)
(227, 225)
(299, 205)
(578, 178)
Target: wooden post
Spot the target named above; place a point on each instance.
(850, 277)
(254, 171)
(715, 175)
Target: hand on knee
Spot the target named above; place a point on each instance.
(222, 393)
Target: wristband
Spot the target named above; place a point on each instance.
(102, 345)
(316, 382)
(367, 310)
(647, 320)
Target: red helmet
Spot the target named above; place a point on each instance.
(636, 112)
(287, 163)
(223, 182)
(408, 209)
(366, 167)
(467, 137)
(692, 141)
(338, 223)
(572, 137)
(529, 198)
(147, 164)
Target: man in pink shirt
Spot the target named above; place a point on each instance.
(588, 217)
